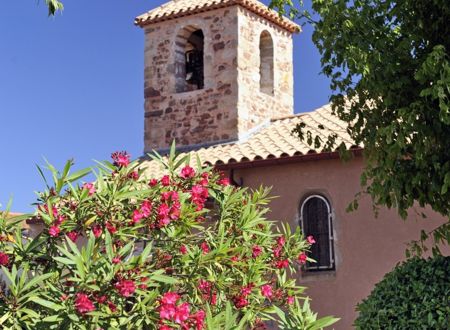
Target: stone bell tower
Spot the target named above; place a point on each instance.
(215, 71)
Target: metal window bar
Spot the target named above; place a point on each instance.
(330, 258)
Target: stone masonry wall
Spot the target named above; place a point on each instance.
(255, 107)
(196, 117)
(231, 105)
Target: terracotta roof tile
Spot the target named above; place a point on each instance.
(272, 141)
(179, 8)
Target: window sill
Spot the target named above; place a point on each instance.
(313, 276)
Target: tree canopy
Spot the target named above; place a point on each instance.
(388, 62)
(54, 6)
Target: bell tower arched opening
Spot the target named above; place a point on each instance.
(189, 65)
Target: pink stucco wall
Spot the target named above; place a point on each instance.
(365, 247)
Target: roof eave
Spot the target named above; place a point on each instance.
(277, 19)
(355, 151)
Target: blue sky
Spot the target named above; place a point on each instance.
(72, 87)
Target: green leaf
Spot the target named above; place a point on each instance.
(158, 277)
(78, 175)
(46, 303)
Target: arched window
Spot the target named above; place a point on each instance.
(266, 63)
(316, 220)
(189, 68)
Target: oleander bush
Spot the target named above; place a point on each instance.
(183, 251)
(415, 295)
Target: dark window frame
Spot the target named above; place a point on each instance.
(189, 65)
(331, 261)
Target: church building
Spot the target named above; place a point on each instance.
(219, 81)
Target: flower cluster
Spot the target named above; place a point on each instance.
(120, 158)
(207, 291)
(179, 312)
(83, 304)
(143, 212)
(199, 195)
(56, 218)
(4, 259)
(241, 299)
(155, 253)
(125, 288)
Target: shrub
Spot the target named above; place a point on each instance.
(415, 295)
(185, 251)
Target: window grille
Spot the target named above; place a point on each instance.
(317, 221)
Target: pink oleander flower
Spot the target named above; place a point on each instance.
(246, 290)
(204, 286)
(146, 208)
(153, 182)
(163, 215)
(44, 208)
(212, 299)
(101, 299)
(199, 194)
(281, 241)
(205, 248)
(97, 231)
(183, 249)
(165, 180)
(121, 158)
(266, 291)
(199, 319)
(167, 196)
(256, 251)
(204, 181)
(167, 311)
(224, 182)
(125, 288)
(4, 259)
(111, 228)
(276, 251)
(73, 236)
(310, 239)
(90, 188)
(54, 231)
(302, 258)
(175, 211)
(240, 302)
(187, 172)
(83, 304)
(112, 306)
(137, 216)
(134, 175)
(282, 263)
(170, 298)
(181, 313)
(59, 219)
(234, 258)
(290, 300)
(163, 210)
(116, 260)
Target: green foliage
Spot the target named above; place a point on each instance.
(186, 251)
(389, 66)
(415, 295)
(54, 6)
